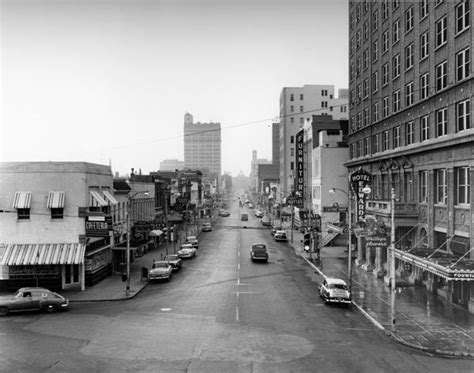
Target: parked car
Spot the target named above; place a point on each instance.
(258, 252)
(187, 251)
(174, 260)
(280, 236)
(335, 290)
(33, 299)
(276, 228)
(161, 270)
(258, 214)
(193, 241)
(251, 206)
(244, 217)
(224, 213)
(266, 221)
(207, 227)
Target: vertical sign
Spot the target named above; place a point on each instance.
(299, 181)
(359, 180)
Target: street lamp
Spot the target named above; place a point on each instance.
(349, 232)
(130, 197)
(368, 190)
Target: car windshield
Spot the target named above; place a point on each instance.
(160, 265)
(338, 286)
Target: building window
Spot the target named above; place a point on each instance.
(359, 120)
(292, 120)
(375, 19)
(396, 101)
(366, 146)
(441, 28)
(324, 104)
(351, 151)
(385, 140)
(23, 214)
(385, 106)
(463, 115)
(375, 143)
(324, 92)
(384, 74)
(424, 45)
(292, 139)
(396, 67)
(409, 133)
(353, 124)
(441, 187)
(292, 165)
(375, 50)
(301, 109)
(292, 108)
(365, 88)
(423, 9)
(395, 4)
(462, 16)
(424, 86)
(423, 176)
(396, 32)
(384, 10)
(385, 42)
(365, 58)
(441, 122)
(462, 178)
(301, 120)
(57, 213)
(292, 152)
(409, 19)
(343, 109)
(358, 149)
(358, 39)
(409, 93)
(376, 112)
(375, 81)
(409, 57)
(396, 137)
(366, 117)
(424, 128)
(463, 61)
(408, 186)
(366, 30)
(301, 97)
(292, 97)
(441, 76)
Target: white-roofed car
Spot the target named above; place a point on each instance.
(187, 251)
(174, 260)
(280, 236)
(193, 241)
(335, 290)
(161, 270)
(207, 227)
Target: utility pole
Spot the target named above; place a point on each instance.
(392, 261)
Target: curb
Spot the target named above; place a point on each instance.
(109, 299)
(449, 354)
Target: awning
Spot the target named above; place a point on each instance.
(56, 200)
(109, 197)
(22, 200)
(42, 254)
(98, 199)
(156, 233)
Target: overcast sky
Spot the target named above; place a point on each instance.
(111, 80)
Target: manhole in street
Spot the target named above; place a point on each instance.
(166, 309)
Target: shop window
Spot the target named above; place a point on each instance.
(23, 214)
(57, 213)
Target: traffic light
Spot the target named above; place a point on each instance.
(307, 239)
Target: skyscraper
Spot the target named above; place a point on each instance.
(202, 145)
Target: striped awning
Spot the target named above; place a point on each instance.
(97, 199)
(109, 197)
(56, 200)
(22, 200)
(42, 254)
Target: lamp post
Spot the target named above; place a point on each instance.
(130, 197)
(349, 232)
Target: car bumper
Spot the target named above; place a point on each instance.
(184, 256)
(339, 300)
(259, 258)
(159, 277)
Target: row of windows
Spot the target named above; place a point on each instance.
(461, 186)
(391, 139)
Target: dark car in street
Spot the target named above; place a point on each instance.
(174, 260)
(206, 227)
(224, 213)
(244, 217)
(258, 252)
(33, 299)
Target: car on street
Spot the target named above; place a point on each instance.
(225, 214)
(335, 290)
(160, 270)
(251, 206)
(266, 221)
(193, 241)
(258, 214)
(33, 299)
(280, 236)
(187, 251)
(276, 228)
(258, 252)
(244, 217)
(206, 227)
(174, 260)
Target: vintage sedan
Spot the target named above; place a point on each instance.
(174, 260)
(206, 227)
(33, 299)
(224, 213)
(193, 241)
(335, 290)
(161, 270)
(280, 236)
(258, 252)
(187, 251)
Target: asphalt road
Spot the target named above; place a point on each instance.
(220, 313)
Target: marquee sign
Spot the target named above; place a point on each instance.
(299, 180)
(359, 180)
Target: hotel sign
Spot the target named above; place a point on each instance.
(299, 180)
(359, 180)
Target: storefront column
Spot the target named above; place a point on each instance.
(368, 260)
(378, 271)
(82, 272)
(360, 252)
(471, 297)
(430, 283)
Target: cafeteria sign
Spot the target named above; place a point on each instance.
(98, 226)
(359, 180)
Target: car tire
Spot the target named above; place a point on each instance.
(4, 311)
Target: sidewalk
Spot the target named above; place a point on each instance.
(423, 320)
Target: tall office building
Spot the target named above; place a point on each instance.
(298, 104)
(411, 94)
(202, 145)
(276, 143)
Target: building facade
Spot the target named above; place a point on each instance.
(171, 165)
(298, 104)
(202, 146)
(411, 95)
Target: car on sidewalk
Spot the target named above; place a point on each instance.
(258, 252)
(206, 227)
(280, 236)
(193, 241)
(174, 260)
(160, 270)
(335, 290)
(33, 299)
(187, 251)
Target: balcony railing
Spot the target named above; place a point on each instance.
(382, 207)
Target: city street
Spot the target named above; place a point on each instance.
(220, 313)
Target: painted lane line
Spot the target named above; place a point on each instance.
(237, 313)
(238, 266)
